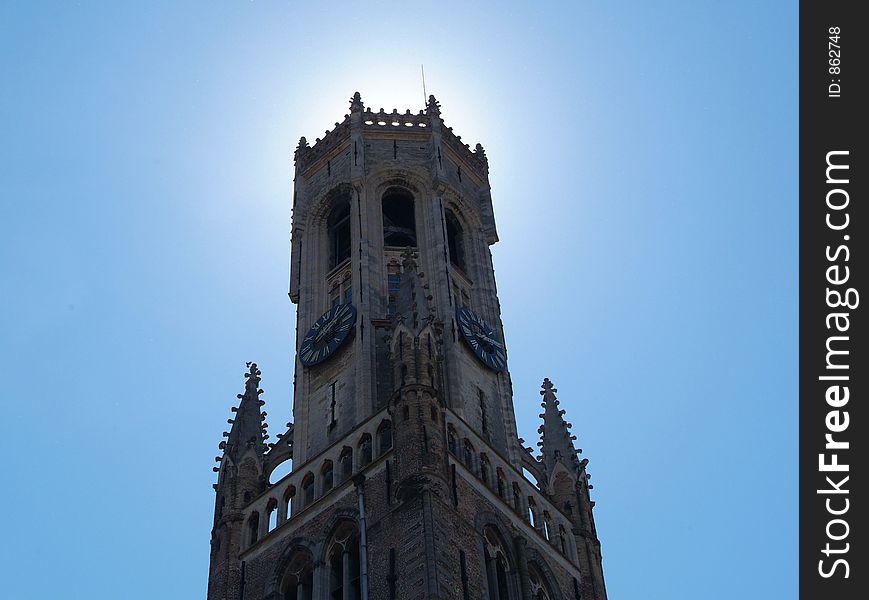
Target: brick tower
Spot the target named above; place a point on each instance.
(408, 478)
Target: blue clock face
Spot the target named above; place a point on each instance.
(327, 334)
(480, 338)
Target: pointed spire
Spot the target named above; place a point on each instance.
(556, 440)
(356, 103)
(433, 107)
(248, 429)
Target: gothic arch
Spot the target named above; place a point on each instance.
(399, 215)
(341, 556)
(536, 560)
(502, 577)
(345, 463)
(384, 437)
(366, 450)
(319, 244)
(488, 519)
(457, 240)
(410, 180)
(343, 519)
(536, 469)
(272, 465)
(318, 213)
(461, 208)
(559, 472)
(468, 242)
(295, 548)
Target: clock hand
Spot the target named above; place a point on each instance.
(324, 331)
(489, 340)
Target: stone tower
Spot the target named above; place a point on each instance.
(408, 478)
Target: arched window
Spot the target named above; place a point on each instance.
(497, 565)
(327, 475)
(253, 529)
(517, 498)
(468, 454)
(455, 240)
(338, 224)
(308, 489)
(539, 589)
(346, 461)
(501, 576)
(343, 561)
(485, 469)
(399, 218)
(452, 442)
(297, 583)
(281, 470)
(288, 502)
(384, 437)
(501, 484)
(272, 513)
(365, 450)
(532, 512)
(562, 539)
(546, 525)
(532, 478)
(221, 502)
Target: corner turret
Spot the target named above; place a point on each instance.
(240, 479)
(568, 480)
(556, 440)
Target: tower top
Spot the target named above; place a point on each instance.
(361, 117)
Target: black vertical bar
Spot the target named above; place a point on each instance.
(833, 228)
(464, 565)
(455, 488)
(391, 577)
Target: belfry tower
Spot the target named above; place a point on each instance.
(408, 478)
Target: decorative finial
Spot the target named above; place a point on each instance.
(433, 107)
(252, 376)
(302, 147)
(480, 153)
(356, 103)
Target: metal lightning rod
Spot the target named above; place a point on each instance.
(424, 97)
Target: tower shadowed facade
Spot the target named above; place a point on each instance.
(409, 479)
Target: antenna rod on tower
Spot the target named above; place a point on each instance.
(424, 97)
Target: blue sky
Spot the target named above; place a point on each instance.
(643, 168)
